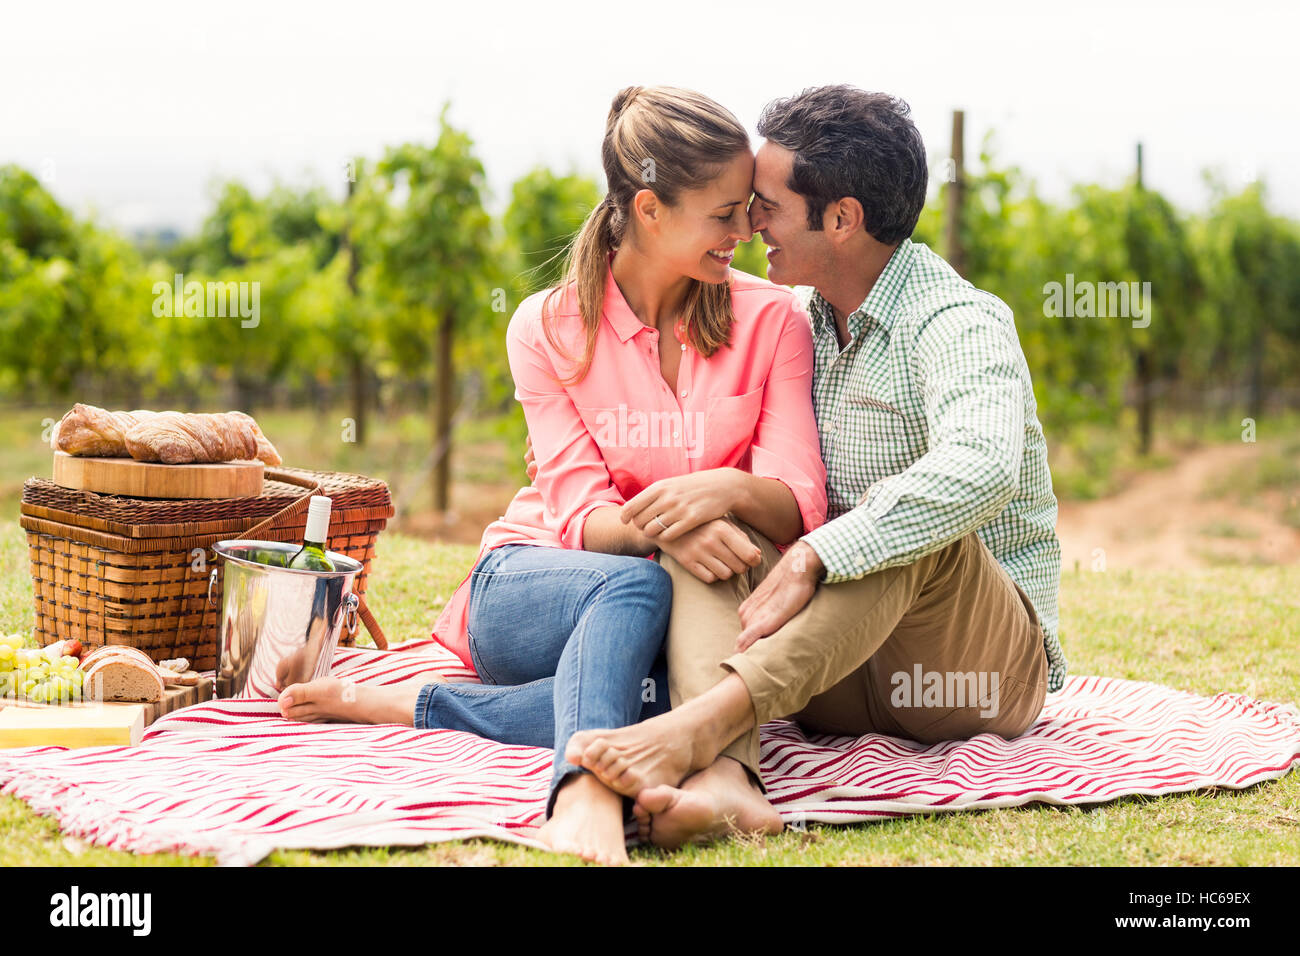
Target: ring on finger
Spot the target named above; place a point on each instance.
(661, 522)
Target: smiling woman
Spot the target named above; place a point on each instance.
(663, 153)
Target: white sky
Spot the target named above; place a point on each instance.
(132, 109)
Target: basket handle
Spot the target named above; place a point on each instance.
(297, 506)
(376, 632)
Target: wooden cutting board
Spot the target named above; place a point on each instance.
(91, 725)
(151, 479)
(174, 698)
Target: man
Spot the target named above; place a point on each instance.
(926, 606)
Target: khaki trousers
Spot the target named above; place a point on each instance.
(941, 649)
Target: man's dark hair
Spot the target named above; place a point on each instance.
(848, 142)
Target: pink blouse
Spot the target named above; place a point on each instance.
(603, 440)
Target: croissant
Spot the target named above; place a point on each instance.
(169, 437)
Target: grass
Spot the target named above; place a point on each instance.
(1231, 629)
(1278, 470)
(1227, 529)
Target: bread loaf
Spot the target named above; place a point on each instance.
(169, 437)
(96, 432)
(105, 650)
(175, 438)
(120, 676)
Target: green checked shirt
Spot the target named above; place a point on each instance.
(929, 430)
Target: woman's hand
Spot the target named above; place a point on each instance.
(530, 460)
(714, 551)
(670, 508)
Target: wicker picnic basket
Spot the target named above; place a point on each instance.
(109, 569)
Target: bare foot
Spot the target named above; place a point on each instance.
(328, 698)
(652, 753)
(661, 751)
(712, 803)
(587, 822)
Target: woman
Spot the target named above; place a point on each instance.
(663, 392)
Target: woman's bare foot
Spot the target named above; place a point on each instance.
(328, 698)
(661, 751)
(712, 803)
(587, 821)
(629, 759)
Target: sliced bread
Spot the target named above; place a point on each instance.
(119, 677)
(111, 650)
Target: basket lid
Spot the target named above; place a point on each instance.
(354, 496)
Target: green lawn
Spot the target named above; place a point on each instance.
(1230, 629)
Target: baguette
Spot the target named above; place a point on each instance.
(96, 432)
(169, 437)
(175, 438)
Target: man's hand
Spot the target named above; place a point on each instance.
(714, 551)
(530, 463)
(785, 592)
(669, 508)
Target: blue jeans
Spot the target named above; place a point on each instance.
(563, 640)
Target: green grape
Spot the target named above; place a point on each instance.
(38, 672)
(37, 693)
(7, 657)
(7, 684)
(77, 676)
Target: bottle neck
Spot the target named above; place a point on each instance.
(318, 525)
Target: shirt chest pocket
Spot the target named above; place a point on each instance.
(728, 428)
(872, 436)
(622, 435)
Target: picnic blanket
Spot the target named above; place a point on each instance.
(236, 780)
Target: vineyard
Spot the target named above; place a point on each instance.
(391, 297)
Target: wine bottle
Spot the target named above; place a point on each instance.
(269, 557)
(311, 556)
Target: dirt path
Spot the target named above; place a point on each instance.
(1167, 518)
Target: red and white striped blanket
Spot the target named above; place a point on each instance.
(236, 780)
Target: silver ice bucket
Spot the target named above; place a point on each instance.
(279, 626)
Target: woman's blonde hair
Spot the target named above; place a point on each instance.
(666, 140)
